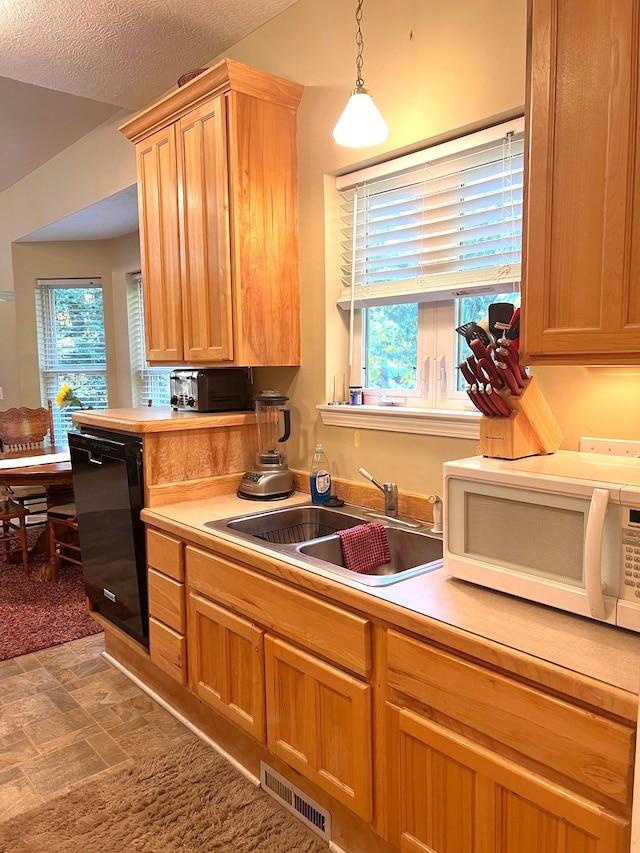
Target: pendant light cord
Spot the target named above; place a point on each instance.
(360, 47)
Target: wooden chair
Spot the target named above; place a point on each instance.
(13, 531)
(64, 543)
(27, 429)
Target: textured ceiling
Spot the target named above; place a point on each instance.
(121, 52)
(67, 65)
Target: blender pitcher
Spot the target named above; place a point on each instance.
(271, 479)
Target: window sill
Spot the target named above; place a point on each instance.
(453, 424)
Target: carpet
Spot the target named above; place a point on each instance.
(35, 614)
(185, 800)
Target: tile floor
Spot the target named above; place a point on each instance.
(67, 715)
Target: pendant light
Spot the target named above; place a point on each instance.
(360, 124)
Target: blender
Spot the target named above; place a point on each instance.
(271, 479)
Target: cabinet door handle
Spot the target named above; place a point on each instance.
(425, 373)
(442, 370)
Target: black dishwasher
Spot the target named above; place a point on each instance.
(106, 469)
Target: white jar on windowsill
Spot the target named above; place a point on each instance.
(370, 396)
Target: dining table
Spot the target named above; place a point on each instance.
(49, 467)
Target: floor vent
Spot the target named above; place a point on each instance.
(296, 801)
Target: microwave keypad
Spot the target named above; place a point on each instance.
(631, 563)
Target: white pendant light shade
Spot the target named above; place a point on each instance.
(361, 123)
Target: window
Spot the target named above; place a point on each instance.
(149, 383)
(71, 345)
(430, 240)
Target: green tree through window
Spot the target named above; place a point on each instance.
(71, 345)
(391, 347)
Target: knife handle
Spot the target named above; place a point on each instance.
(491, 409)
(473, 367)
(506, 356)
(468, 374)
(474, 399)
(481, 403)
(496, 400)
(510, 347)
(513, 332)
(485, 370)
(509, 379)
(479, 349)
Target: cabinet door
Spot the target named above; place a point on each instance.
(319, 722)
(450, 795)
(166, 600)
(159, 246)
(226, 664)
(581, 293)
(165, 554)
(204, 218)
(168, 650)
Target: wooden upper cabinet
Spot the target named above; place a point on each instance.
(160, 246)
(217, 177)
(581, 287)
(204, 225)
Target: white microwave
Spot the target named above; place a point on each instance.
(561, 530)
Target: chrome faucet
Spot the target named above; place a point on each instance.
(390, 492)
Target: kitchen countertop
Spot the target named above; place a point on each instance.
(158, 419)
(592, 649)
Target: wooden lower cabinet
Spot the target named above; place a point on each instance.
(319, 722)
(168, 650)
(583, 748)
(448, 794)
(470, 756)
(167, 616)
(311, 713)
(226, 664)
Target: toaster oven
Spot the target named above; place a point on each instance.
(210, 389)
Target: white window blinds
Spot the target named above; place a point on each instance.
(438, 224)
(71, 344)
(148, 383)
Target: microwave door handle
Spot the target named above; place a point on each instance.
(593, 552)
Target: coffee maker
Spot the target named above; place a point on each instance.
(271, 479)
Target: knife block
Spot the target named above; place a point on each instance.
(530, 430)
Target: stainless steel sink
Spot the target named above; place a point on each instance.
(307, 536)
(408, 550)
(290, 525)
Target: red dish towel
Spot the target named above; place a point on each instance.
(364, 547)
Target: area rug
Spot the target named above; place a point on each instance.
(185, 800)
(35, 614)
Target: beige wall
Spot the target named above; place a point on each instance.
(431, 67)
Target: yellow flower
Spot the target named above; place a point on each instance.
(62, 397)
(66, 396)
